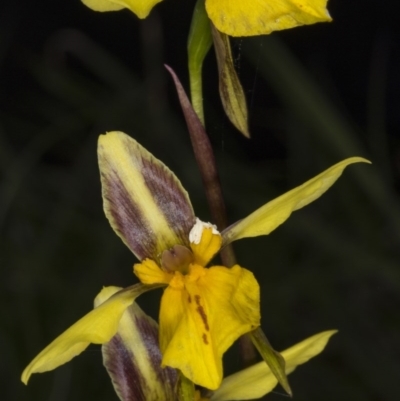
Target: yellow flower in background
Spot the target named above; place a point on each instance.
(141, 8)
(238, 17)
(260, 17)
(203, 310)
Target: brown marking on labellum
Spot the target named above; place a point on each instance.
(205, 340)
(189, 299)
(201, 312)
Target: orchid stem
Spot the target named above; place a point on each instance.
(186, 389)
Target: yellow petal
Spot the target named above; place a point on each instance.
(103, 5)
(148, 272)
(205, 242)
(209, 314)
(141, 8)
(258, 380)
(258, 17)
(144, 201)
(268, 217)
(97, 327)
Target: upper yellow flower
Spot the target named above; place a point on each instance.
(238, 17)
(203, 310)
(141, 8)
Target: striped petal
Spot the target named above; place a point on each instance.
(258, 380)
(97, 327)
(268, 217)
(259, 17)
(144, 202)
(133, 359)
(141, 8)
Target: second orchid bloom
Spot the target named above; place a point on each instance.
(203, 309)
(237, 17)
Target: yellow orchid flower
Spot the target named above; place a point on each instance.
(203, 310)
(238, 17)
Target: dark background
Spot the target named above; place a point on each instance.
(316, 95)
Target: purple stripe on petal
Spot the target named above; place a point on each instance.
(127, 218)
(134, 364)
(128, 381)
(166, 375)
(170, 199)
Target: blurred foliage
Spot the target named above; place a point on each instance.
(316, 95)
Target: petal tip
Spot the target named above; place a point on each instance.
(330, 333)
(26, 374)
(358, 159)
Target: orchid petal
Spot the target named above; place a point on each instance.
(97, 327)
(268, 217)
(141, 8)
(258, 380)
(133, 359)
(144, 202)
(199, 323)
(205, 242)
(259, 17)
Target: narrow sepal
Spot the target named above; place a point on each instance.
(272, 358)
(133, 360)
(144, 201)
(268, 217)
(96, 327)
(250, 18)
(230, 88)
(256, 381)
